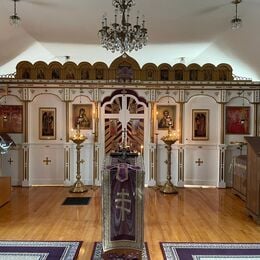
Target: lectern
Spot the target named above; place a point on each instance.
(122, 206)
(253, 178)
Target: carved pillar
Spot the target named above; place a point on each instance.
(222, 125)
(96, 131)
(223, 100)
(67, 122)
(26, 121)
(180, 181)
(222, 155)
(181, 123)
(156, 159)
(25, 180)
(152, 177)
(152, 123)
(257, 102)
(258, 119)
(152, 148)
(67, 165)
(255, 120)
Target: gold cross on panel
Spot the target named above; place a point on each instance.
(47, 161)
(199, 162)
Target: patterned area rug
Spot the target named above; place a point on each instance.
(39, 250)
(210, 251)
(98, 250)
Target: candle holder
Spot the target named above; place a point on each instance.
(169, 139)
(78, 139)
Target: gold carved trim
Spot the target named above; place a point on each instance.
(101, 71)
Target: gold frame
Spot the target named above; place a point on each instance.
(234, 116)
(203, 124)
(88, 112)
(47, 130)
(11, 119)
(172, 111)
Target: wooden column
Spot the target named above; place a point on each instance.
(67, 122)
(26, 121)
(255, 120)
(181, 123)
(96, 139)
(222, 129)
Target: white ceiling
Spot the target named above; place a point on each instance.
(198, 30)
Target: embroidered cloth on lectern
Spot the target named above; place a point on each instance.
(123, 201)
(122, 172)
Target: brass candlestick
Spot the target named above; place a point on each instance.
(78, 139)
(169, 139)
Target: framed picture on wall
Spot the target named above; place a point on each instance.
(47, 123)
(166, 115)
(200, 124)
(82, 115)
(237, 120)
(11, 119)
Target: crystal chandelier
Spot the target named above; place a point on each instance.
(15, 19)
(236, 22)
(123, 37)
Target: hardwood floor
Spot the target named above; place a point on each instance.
(194, 215)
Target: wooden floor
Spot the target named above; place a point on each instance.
(194, 215)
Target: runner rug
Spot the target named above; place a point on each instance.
(210, 251)
(39, 250)
(76, 201)
(98, 250)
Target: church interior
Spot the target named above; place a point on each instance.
(170, 121)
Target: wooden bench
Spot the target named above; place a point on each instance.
(240, 176)
(5, 190)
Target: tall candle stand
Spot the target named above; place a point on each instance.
(78, 139)
(169, 139)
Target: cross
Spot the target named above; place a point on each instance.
(10, 161)
(199, 162)
(123, 203)
(46, 161)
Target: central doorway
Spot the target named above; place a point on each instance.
(124, 122)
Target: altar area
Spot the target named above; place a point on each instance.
(41, 114)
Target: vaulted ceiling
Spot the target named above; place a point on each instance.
(188, 31)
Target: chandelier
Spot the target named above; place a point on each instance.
(236, 22)
(123, 37)
(15, 19)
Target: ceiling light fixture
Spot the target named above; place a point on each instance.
(15, 19)
(123, 37)
(236, 22)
